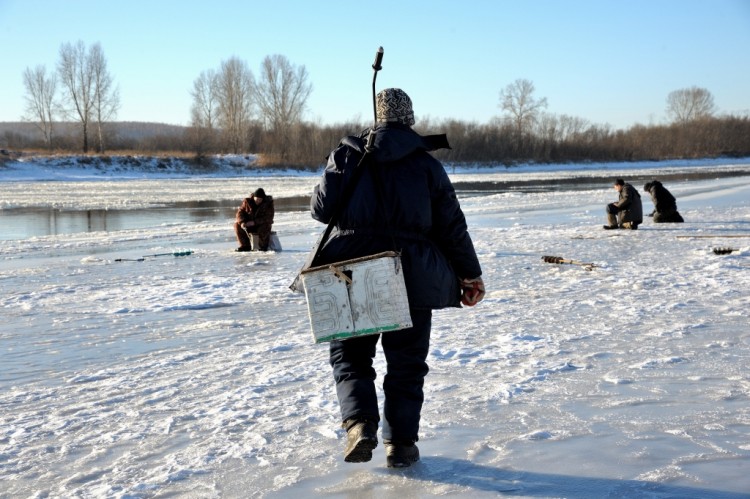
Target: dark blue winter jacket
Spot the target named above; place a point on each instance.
(414, 211)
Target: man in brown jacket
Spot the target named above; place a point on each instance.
(255, 216)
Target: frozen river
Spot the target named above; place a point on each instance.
(196, 376)
(42, 208)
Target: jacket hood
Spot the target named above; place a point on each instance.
(394, 141)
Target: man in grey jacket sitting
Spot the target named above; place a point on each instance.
(627, 211)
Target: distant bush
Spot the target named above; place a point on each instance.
(554, 139)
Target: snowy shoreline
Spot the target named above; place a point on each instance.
(57, 183)
(72, 168)
(196, 376)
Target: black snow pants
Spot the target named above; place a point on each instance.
(661, 217)
(406, 354)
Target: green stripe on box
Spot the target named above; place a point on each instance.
(353, 334)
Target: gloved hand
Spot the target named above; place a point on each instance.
(472, 291)
(612, 208)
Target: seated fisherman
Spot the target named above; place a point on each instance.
(255, 216)
(627, 211)
(665, 205)
(244, 216)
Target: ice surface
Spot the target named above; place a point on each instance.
(197, 376)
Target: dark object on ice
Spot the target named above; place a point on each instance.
(400, 454)
(553, 259)
(724, 251)
(560, 260)
(361, 439)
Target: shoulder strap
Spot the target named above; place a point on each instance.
(342, 202)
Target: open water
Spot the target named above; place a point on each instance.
(38, 221)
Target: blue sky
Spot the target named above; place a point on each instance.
(610, 62)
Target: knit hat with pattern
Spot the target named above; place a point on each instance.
(394, 106)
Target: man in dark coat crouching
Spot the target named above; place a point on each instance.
(405, 199)
(665, 205)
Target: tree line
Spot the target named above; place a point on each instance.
(87, 94)
(232, 111)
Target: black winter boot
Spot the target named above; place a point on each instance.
(361, 439)
(400, 454)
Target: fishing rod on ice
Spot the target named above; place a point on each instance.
(173, 253)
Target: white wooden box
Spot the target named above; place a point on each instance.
(356, 297)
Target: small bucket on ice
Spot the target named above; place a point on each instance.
(273, 245)
(356, 297)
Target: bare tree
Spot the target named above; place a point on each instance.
(40, 96)
(518, 100)
(203, 111)
(234, 85)
(690, 104)
(77, 80)
(88, 90)
(106, 98)
(281, 93)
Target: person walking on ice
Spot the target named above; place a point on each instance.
(410, 189)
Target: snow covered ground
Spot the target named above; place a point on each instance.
(196, 376)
